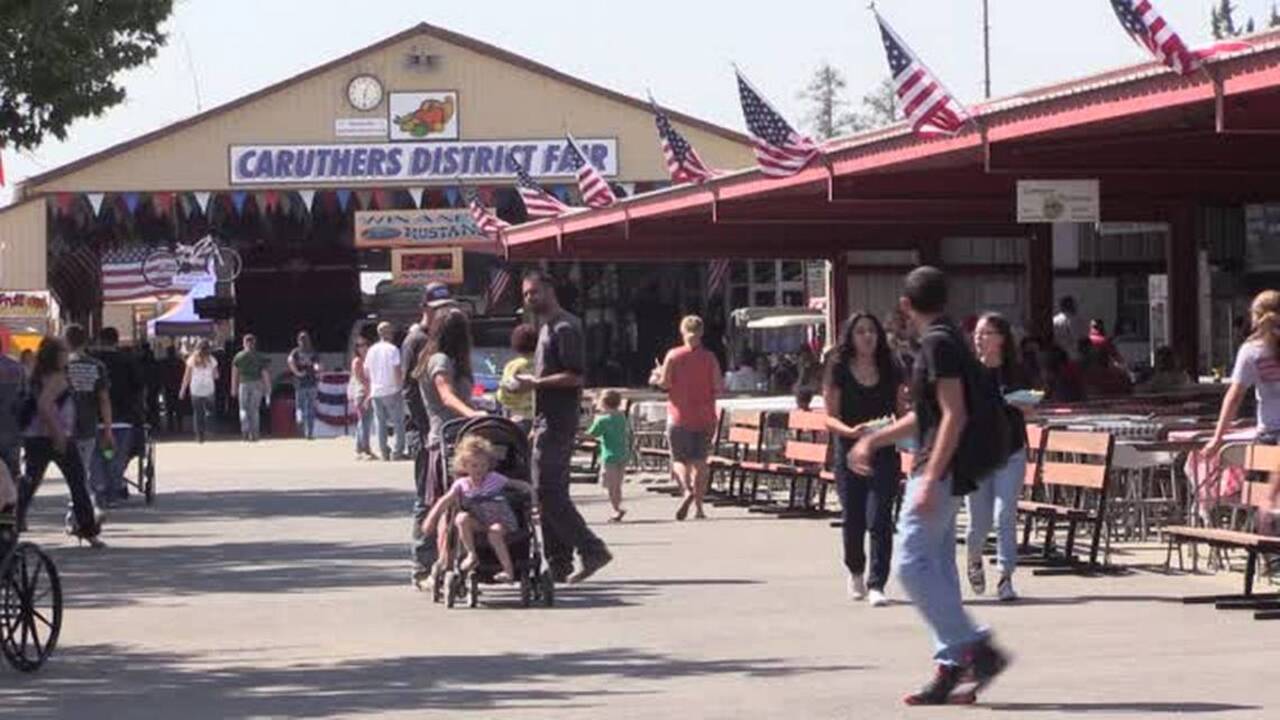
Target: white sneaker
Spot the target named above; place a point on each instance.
(857, 587)
(877, 599)
(1005, 590)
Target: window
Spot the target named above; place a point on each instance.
(765, 298)
(792, 271)
(793, 298)
(763, 271)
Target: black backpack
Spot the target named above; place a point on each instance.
(986, 441)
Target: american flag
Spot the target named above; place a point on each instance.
(499, 284)
(780, 150)
(488, 222)
(595, 190)
(122, 277)
(683, 163)
(717, 274)
(925, 102)
(538, 203)
(1149, 29)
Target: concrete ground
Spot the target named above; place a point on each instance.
(272, 581)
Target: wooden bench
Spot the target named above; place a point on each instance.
(1073, 469)
(805, 463)
(743, 458)
(1250, 458)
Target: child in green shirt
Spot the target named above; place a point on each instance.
(610, 428)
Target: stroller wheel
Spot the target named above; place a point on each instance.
(473, 589)
(547, 590)
(526, 591)
(452, 589)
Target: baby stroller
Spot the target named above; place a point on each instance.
(524, 543)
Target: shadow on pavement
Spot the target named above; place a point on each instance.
(105, 681)
(339, 503)
(126, 575)
(1172, 708)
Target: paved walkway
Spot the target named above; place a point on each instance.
(271, 580)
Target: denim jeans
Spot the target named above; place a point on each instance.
(927, 570)
(563, 527)
(997, 498)
(106, 477)
(251, 394)
(306, 401)
(389, 412)
(364, 418)
(866, 505)
(201, 414)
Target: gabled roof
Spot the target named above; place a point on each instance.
(439, 33)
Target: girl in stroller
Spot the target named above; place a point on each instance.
(477, 494)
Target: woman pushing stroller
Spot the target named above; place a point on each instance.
(477, 494)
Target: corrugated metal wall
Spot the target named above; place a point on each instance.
(23, 246)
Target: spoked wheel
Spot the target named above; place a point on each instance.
(547, 590)
(227, 264)
(473, 589)
(452, 589)
(30, 607)
(149, 474)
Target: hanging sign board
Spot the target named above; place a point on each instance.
(1050, 201)
(445, 161)
(25, 312)
(419, 228)
(419, 266)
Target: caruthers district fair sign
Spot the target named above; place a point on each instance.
(380, 162)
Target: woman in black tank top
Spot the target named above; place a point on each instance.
(861, 385)
(46, 437)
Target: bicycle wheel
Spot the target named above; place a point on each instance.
(227, 264)
(159, 268)
(30, 607)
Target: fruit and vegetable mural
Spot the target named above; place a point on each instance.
(431, 115)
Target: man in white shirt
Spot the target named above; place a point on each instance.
(386, 375)
(1067, 331)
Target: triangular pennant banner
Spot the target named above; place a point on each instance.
(162, 203)
(485, 194)
(561, 192)
(131, 200)
(418, 194)
(238, 199)
(363, 197)
(202, 199)
(307, 197)
(65, 201)
(452, 196)
(95, 202)
(344, 197)
(270, 200)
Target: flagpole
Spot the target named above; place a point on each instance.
(986, 46)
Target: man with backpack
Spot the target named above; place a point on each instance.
(960, 432)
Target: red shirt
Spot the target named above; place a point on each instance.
(691, 388)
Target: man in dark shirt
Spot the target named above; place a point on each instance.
(127, 391)
(435, 296)
(559, 364)
(927, 526)
(90, 392)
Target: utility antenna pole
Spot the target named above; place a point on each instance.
(986, 47)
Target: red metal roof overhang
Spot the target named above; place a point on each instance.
(1155, 140)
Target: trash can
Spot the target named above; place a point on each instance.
(283, 423)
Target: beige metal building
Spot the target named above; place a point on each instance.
(252, 172)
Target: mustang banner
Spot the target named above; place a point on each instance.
(444, 160)
(420, 228)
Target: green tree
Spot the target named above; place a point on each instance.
(1275, 17)
(59, 60)
(828, 114)
(879, 108)
(1222, 21)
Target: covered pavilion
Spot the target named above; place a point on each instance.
(1163, 148)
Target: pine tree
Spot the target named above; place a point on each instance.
(828, 116)
(879, 108)
(1275, 16)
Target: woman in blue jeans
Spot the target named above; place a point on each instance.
(861, 385)
(997, 495)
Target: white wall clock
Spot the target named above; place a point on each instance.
(364, 92)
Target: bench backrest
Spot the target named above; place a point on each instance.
(746, 429)
(1253, 458)
(806, 421)
(1035, 454)
(1074, 458)
(808, 439)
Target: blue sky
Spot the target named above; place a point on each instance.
(680, 49)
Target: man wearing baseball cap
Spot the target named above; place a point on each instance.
(435, 296)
